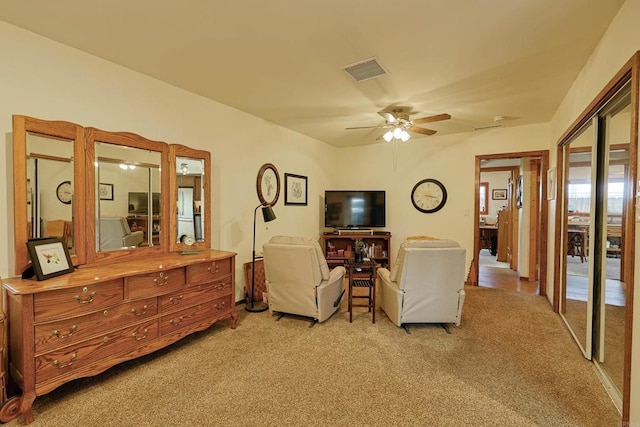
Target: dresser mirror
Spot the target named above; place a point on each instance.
(127, 188)
(189, 191)
(81, 184)
(48, 188)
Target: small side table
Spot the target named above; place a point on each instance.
(260, 285)
(362, 275)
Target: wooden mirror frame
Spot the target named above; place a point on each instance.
(175, 151)
(125, 139)
(54, 129)
(84, 191)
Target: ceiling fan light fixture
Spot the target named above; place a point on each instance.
(396, 134)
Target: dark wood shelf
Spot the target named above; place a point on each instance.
(346, 244)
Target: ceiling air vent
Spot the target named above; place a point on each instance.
(365, 70)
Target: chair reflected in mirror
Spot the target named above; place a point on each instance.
(116, 234)
(62, 229)
(576, 242)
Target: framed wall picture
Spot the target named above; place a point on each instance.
(499, 194)
(268, 184)
(551, 183)
(106, 191)
(295, 189)
(519, 192)
(49, 257)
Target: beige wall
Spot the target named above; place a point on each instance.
(447, 158)
(497, 181)
(89, 91)
(619, 43)
(47, 80)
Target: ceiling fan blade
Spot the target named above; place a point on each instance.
(388, 116)
(431, 119)
(421, 130)
(363, 127)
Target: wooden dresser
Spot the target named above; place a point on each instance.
(80, 324)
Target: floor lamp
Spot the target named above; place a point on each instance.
(268, 215)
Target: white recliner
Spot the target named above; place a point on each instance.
(298, 278)
(425, 283)
(116, 234)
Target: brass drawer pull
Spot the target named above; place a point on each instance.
(85, 301)
(165, 279)
(140, 313)
(177, 300)
(64, 365)
(137, 338)
(220, 306)
(220, 286)
(174, 323)
(213, 269)
(56, 333)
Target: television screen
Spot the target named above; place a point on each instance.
(354, 209)
(139, 203)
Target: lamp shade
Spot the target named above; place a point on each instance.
(268, 214)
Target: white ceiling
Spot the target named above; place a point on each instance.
(281, 59)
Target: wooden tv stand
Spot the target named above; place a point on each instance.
(82, 323)
(341, 243)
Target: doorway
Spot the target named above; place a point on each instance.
(510, 222)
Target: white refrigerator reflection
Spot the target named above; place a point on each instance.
(185, 212)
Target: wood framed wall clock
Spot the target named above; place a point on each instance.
(429, 195)
(64, 192)
(268, 184)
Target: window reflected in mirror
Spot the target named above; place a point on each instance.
(484, 198)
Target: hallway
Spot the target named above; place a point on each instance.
(495, 274)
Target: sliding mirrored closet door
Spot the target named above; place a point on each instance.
(596, 209)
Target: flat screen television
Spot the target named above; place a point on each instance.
(354, 208)
(139, 203)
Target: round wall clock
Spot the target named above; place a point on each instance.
(64, 191)
(428, 195)
(268, 184)
(188, 240)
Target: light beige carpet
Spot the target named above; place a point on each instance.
(511, 363)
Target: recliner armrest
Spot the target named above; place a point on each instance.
(133, 239)
(384, 274)
(337, 272)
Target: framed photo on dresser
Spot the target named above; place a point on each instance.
(49, 257)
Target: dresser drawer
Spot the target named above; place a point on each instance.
(75, 301)
(68, 359)
(208, 271)
(156, 283)
(49, 336)
(195, 294)
(205, 311)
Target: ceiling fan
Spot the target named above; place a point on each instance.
(399, 124)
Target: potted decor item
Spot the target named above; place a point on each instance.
(359, 256)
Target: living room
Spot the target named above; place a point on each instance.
(49, 80)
